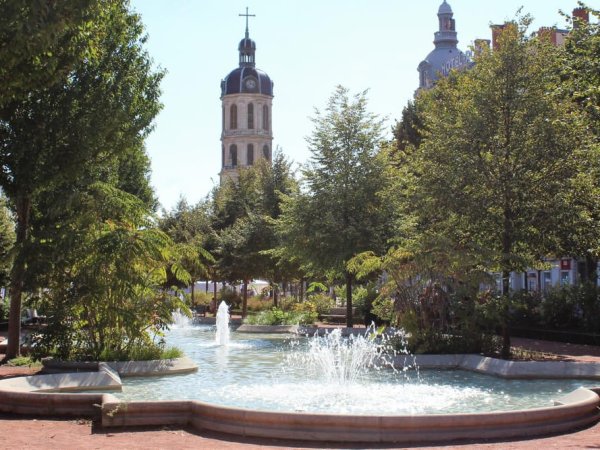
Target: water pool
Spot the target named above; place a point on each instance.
(271, 372)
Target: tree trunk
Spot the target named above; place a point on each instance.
(275, 295)
(505, 331)
(245, 300)
(349, 318)
(301, 289)
(214, 297)
(193, 287)
(17, 278)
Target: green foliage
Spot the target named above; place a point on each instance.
(7, 239)
(259, 303)
(148, 352)
(340, 213)
(276, 316)
(72, 130)
(108, 297)
(202, 298)
(40, 42)
(383, 307)
(21, 361)
(322, 303)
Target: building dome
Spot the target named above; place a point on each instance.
(445, 8)
(247, 80)
(246, 45)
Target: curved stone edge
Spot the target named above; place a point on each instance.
(503, 368)
(156, 367)
(574, 410)
(245, 328)
(52, 395)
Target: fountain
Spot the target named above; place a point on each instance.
(180, 320)
(329, 388)
(222, 335)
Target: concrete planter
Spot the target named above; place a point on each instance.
(124, 368)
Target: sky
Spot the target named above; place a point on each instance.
(307, 47)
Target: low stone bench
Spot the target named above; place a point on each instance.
(337, 314)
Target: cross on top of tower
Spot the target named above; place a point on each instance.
(246, 16)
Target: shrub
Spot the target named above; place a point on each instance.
(276, 316)
(558, 309)
(259, 303)
(383, 307)
(143, 353)
(322, 303)
(202, 298)
(20, 361)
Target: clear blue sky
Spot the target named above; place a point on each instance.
(307, 47)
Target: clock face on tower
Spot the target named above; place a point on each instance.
(250, 83)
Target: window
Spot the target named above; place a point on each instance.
(233, 117)
(222, 156)
(250, 156)
(266, 152)
(233, 155)
(565, 278)
(547, 280)
(223, 118)
(265, 117)
(250, 116)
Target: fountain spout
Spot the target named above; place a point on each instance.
(222, 336)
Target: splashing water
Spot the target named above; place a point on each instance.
(334, 359)
(222, 335)
(180, 320)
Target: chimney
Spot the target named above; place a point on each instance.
(580, 15)
(548, 34)
(480, 45)
(496, 30)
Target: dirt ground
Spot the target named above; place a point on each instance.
(18, 432)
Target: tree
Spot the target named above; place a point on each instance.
(189, 227)
(500, 146)
(41, 42)
(103, 106)
(276, 181)
(340, 212)
(105, 298)
(580, 78)
(408, 131)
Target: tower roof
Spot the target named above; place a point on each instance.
(247, 78)
(445, 56)
(444, 8)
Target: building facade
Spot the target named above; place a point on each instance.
(246, 102)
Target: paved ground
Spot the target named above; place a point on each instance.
(29, 433)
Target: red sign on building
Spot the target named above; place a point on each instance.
(565, 264)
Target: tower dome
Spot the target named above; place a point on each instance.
(445, 56)
(247, 78)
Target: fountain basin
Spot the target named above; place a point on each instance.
(574, 410)
(577, 409)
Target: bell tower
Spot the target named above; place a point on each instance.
(246, 103)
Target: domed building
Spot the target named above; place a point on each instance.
(246, 100)
(445, 56)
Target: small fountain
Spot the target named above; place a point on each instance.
(222, 335)
(180, 320)
(334, 359)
